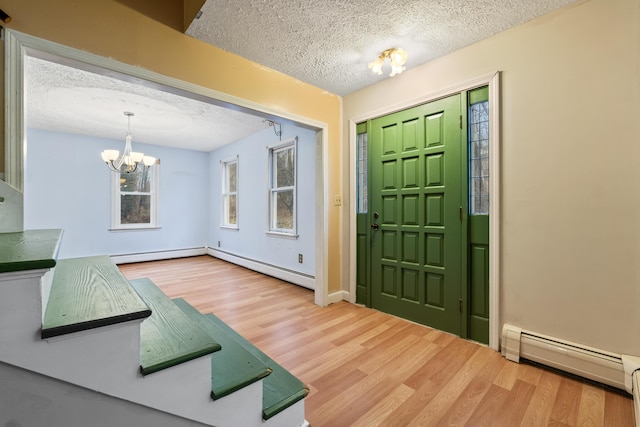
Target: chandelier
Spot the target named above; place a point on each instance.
(129, 160)
(397, 59)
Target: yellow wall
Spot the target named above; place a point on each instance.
(111, 29)
(168, 12)
(570, 183)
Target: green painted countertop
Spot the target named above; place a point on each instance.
(29, 250)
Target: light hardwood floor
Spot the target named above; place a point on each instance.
(367, 368)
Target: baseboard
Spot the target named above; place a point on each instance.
(301, 279)
(158, 255)
(598, 365)
(632, 381)
(338, 296)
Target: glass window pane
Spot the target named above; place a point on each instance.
(479, 158)
(362, 173)
(284, 210)
(285, 168)
(230, 209)
(138, 181)
(135, 209)
(231, 177)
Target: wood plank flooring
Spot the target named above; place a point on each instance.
(367, 368)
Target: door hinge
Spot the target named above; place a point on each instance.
(460, 121)
(460, 303)
(460, 213)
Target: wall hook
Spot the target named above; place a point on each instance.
(278, 131)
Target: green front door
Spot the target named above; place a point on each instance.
(415, 211)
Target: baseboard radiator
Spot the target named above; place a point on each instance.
(598, 365)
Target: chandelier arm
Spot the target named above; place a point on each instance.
(111, 166)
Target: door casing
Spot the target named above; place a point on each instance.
(493, 82)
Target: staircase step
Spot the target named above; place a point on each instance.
(29, 250)
(233, 367)
(281, 389)
(88, 293)
(168, 337)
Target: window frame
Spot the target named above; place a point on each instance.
(291, 143)
(225, 193)
(154, 203)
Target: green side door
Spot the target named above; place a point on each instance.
(415, 211)
(362, 218)
(478, 209)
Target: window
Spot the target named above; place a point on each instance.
(282, 187)
(230, 192)
(361, 172)
(135, 198)
(479, 152)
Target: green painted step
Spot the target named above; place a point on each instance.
(29, 250)
(168, 337)
(233, 367)
(89, 293)
(281, 389)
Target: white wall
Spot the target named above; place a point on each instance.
(68, 186)
(30, 399)
(251, 240)
(570, 193)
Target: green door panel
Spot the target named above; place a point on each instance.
(478, 323)
(416, 193)
(362, 260)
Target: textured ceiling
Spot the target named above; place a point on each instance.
(328, 43)
(66, 99)
(325, 43)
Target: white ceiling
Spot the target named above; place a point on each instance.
(66, 99)
(329, 43)
(325, 43)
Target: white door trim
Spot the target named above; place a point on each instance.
(493, 81)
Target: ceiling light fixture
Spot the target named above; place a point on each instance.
(129, 160)
(397, 58)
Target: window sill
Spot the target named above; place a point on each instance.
(281, 234)
(230, 227)
(139, 228)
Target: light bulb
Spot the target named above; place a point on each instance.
(148, 160)
(109, 155)
(136, 156)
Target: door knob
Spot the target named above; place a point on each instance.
(374, 226)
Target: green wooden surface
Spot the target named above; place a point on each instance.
(281, 388)
(480, 94)
(233, 367)
(29, 250)
(478, 255)
(88, 293)
(168, 337)
(415, 188)
(479, 278)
